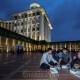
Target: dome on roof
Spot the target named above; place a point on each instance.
(34, 5)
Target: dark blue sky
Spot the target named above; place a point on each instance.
(63, 14)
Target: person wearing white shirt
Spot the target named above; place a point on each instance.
(47, 60)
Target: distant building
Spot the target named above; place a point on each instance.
(9, 25)
(33, 23)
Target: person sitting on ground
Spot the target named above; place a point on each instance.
(47, 60)
(58, 54)
(76, 62)
(65, 57)
(74, 54)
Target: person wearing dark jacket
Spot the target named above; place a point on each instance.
(65, 57)
(76, 62)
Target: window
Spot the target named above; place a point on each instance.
(25, 29)
(3, 25)
(21, 31)
(0, 24)
(33, 21)
(33, 25)
(38, 13)
(26, 22)
(37, 25)
(33, 33)
(22, 15)
(21, 23)
(18, 24)
(15, 17)
(37, 38)
(15, 24)
(38, 33)
(33, 37)
(29, 29)
(29, 22)
(29, 15)
(25, 15)
(6, 24)
(33, 14)
(33, 29)
(37, 29)
(18, 17)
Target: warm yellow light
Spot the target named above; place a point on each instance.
(33, 5)
(19, 14)
(29, 12)
(43, 13)
(50, 26)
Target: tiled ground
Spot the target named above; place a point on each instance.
(26, 67)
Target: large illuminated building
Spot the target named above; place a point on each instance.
(28, 28)
(33, 23)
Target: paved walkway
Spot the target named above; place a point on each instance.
(26, 67)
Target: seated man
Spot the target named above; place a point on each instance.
(47, 60)
(76, 62)
(58, 55)
(65, 57)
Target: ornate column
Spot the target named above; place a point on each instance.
(13, 44)
(7, 45)
(23, 45)
(65, 45)
(70, 46)
(18, 42)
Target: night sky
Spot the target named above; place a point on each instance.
(63, 14)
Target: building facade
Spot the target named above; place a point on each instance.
(33, 23)
(7, 24)
(9, 39)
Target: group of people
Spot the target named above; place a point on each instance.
(63, 57)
